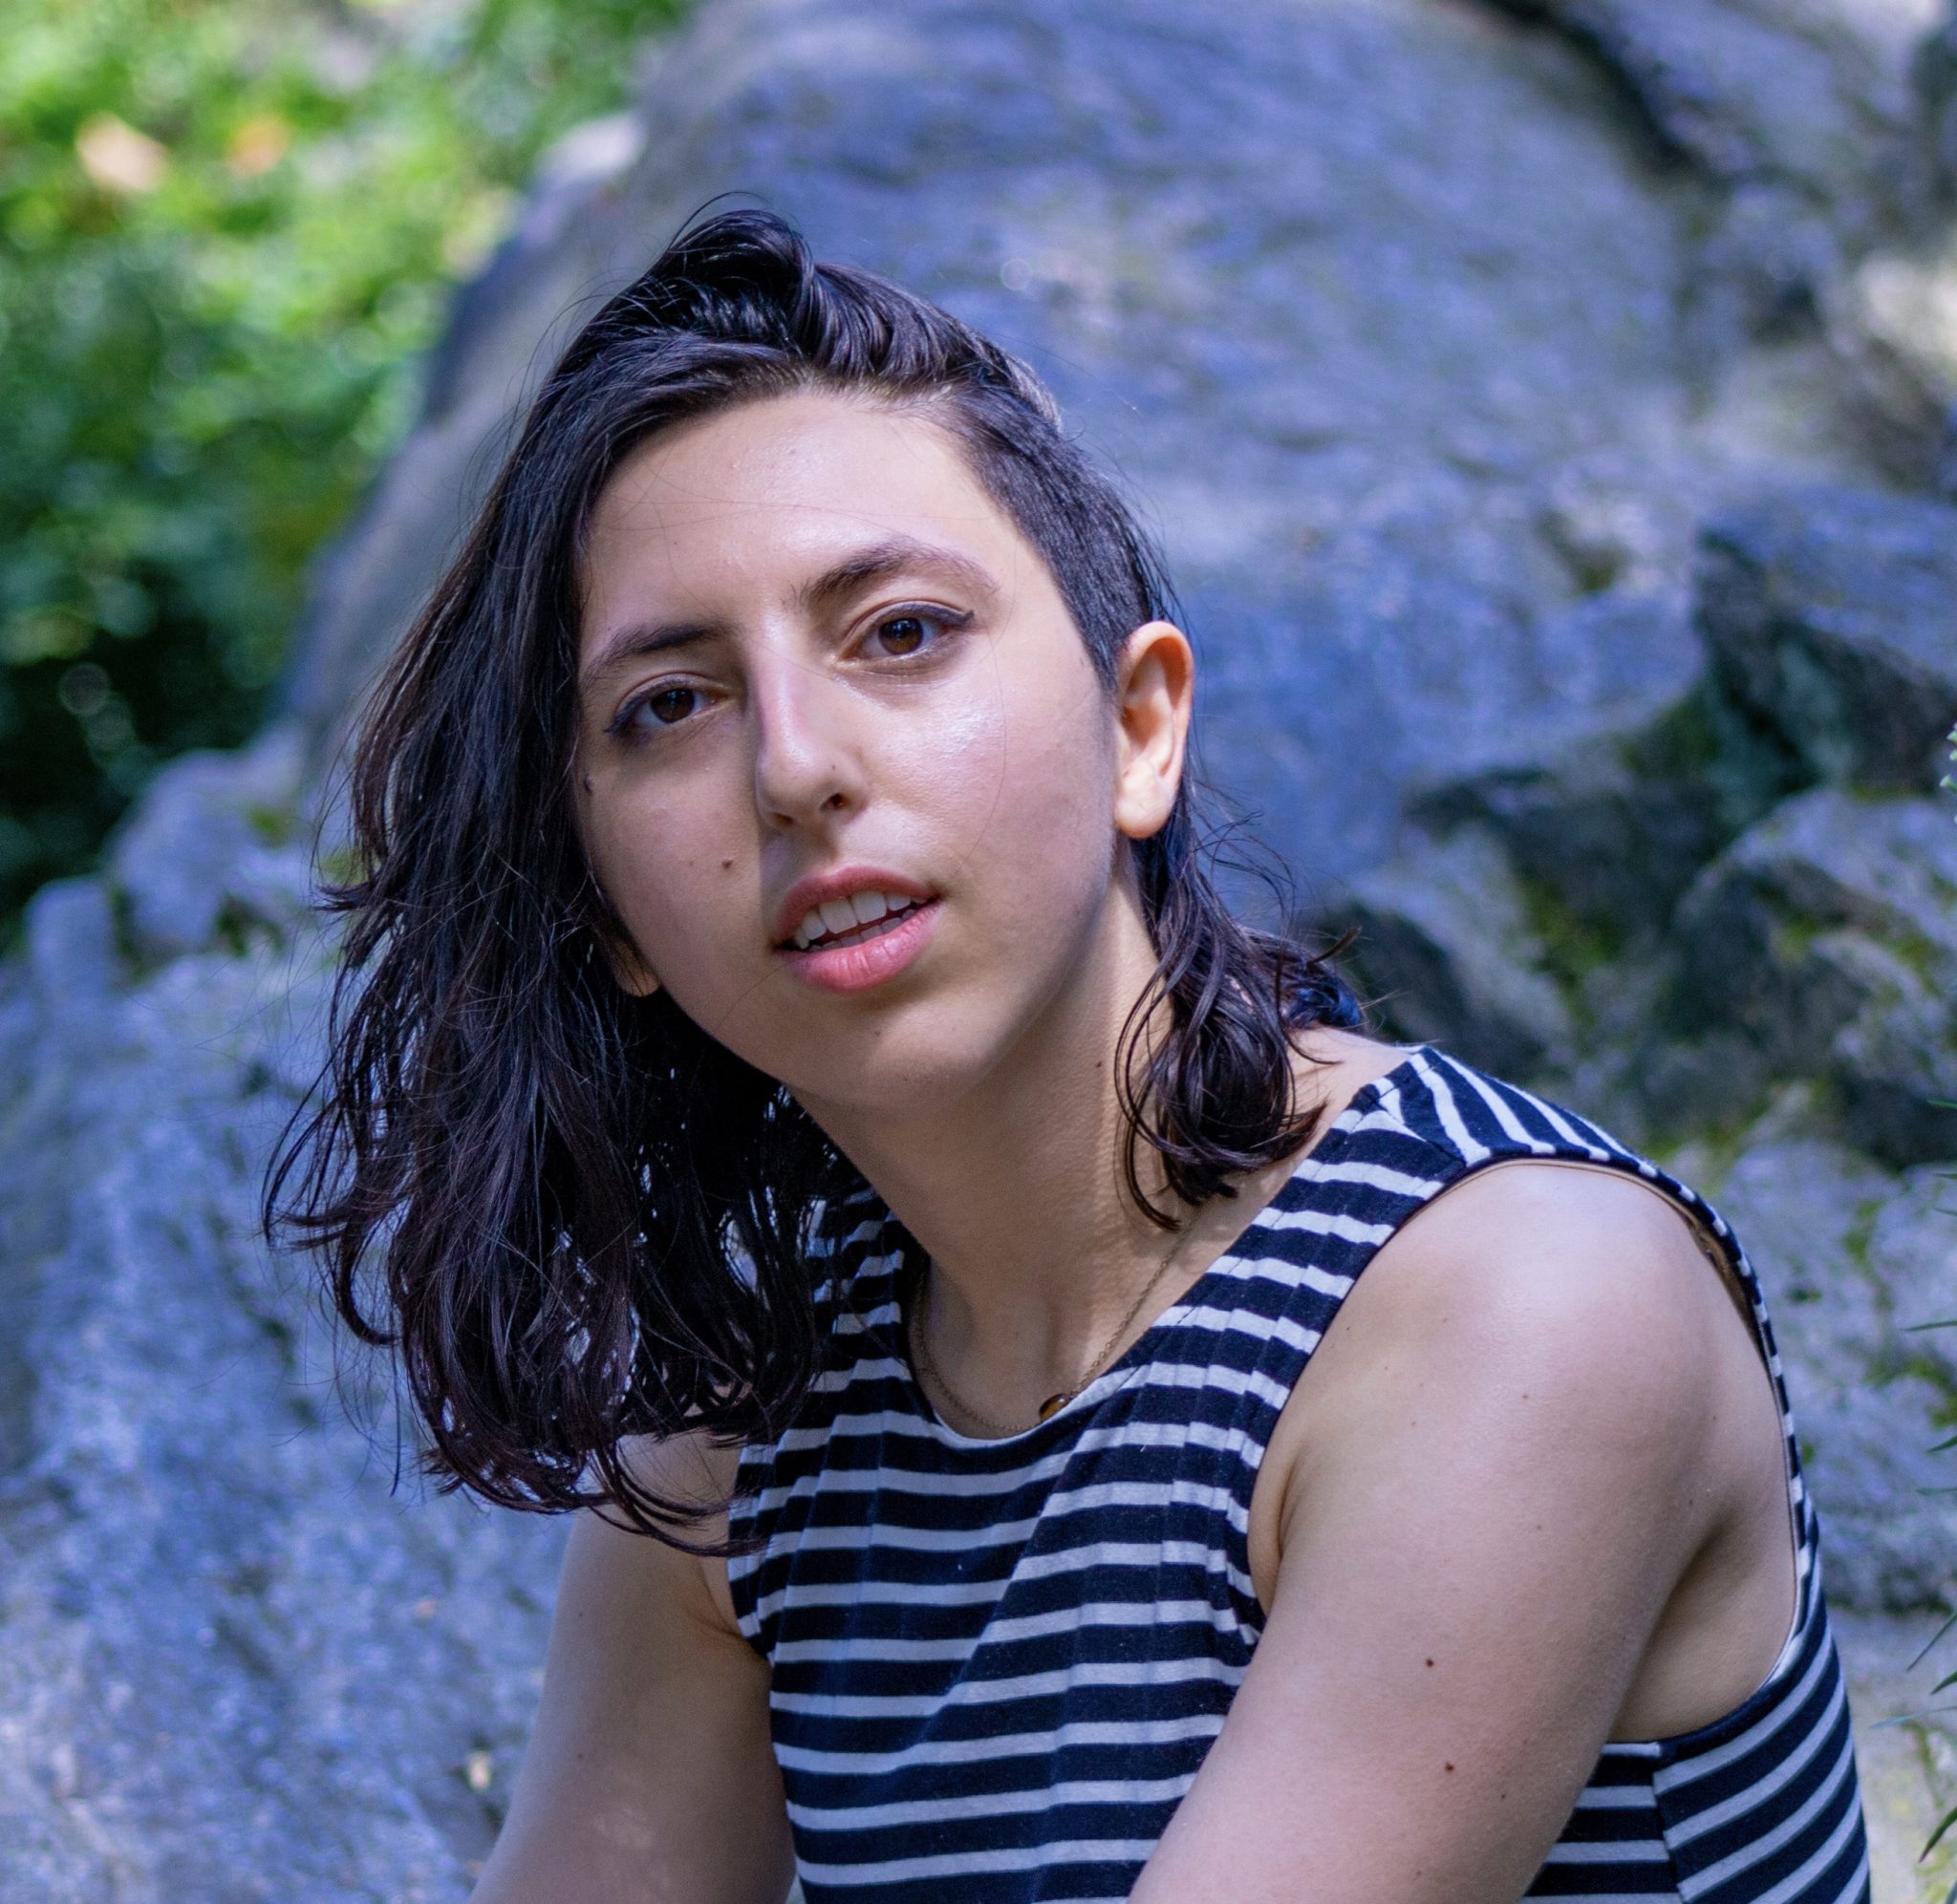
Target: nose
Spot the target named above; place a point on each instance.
(806, 763)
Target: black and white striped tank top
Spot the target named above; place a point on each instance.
(996, 1666)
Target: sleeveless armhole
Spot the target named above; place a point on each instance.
(1717, 1243)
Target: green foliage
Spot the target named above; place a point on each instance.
(228, 228)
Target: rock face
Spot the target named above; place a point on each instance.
(231, 1666)
(1544, 405)
(1824, 939)
(1456, 360)
(1832, 618)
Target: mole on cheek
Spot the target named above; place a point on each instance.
(725, 864)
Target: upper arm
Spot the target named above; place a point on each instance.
(649, 1775)
(1495, 1499)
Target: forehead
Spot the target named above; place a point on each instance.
(747, 501)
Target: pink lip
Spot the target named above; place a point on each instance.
(868, 962)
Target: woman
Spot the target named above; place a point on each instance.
(810, 1106)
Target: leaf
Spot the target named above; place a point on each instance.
(1934, 1638)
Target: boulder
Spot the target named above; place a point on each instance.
(1831, 616)
(1402, 385)
(1814, 96)
(1893, 322)
(236, 1660)
(1868, 1407)
(1793, 117)
(1933, 73)
(1608, 822)
(1447, 951)
(1824, 941)
(211, 851)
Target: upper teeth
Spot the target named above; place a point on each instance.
(845, 916)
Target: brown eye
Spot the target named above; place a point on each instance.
(667, 706)
(670, 705)
(911, 631)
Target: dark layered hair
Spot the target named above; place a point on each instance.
(576, 1216)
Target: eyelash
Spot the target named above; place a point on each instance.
(620, 724)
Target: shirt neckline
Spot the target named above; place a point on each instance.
(1143, 1348)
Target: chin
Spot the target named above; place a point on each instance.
(918, 1072)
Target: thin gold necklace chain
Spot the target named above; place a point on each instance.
(921, 1345)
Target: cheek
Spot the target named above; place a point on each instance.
(1023, 780)
(676, 883)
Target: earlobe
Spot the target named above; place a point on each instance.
(642, 985)
(629, 972)
(634, 977)
(1155, 688)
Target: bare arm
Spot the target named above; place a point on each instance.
(1495, 1500)
(650, 1778)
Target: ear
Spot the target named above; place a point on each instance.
(629, 972)
(632, 975)
(1154, 693)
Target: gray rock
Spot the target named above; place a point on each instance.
(1804, 1208)
(1895, 1063)
(1448, 952)
(1794, 113)
(1933, 71)
(1746, 91)
(1609, 820)
(232, 1666)
(1911, 1251)
(1887, 1529)
(1832, 617)
(1376, 373)
(71, 946)
(1892, 324)
(1867, 1405)
(1824, 941)
(214, 848)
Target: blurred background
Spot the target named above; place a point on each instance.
(1549, 408)
(228, 234)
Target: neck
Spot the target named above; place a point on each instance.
(1016, 1189)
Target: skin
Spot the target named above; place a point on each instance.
(1539, 1377)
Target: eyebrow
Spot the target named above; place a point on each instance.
(634, 640)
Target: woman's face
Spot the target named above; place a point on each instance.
(818, 663)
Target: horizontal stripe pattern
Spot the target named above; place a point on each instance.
(997, 1666)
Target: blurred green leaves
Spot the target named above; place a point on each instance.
(227, 229)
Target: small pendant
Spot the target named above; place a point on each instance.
(1053, 1403)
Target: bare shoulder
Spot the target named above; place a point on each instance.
(699, 1470)
(1332, 1064)
(1580, 1277)
(1495, 1480)
(1569, 1310)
